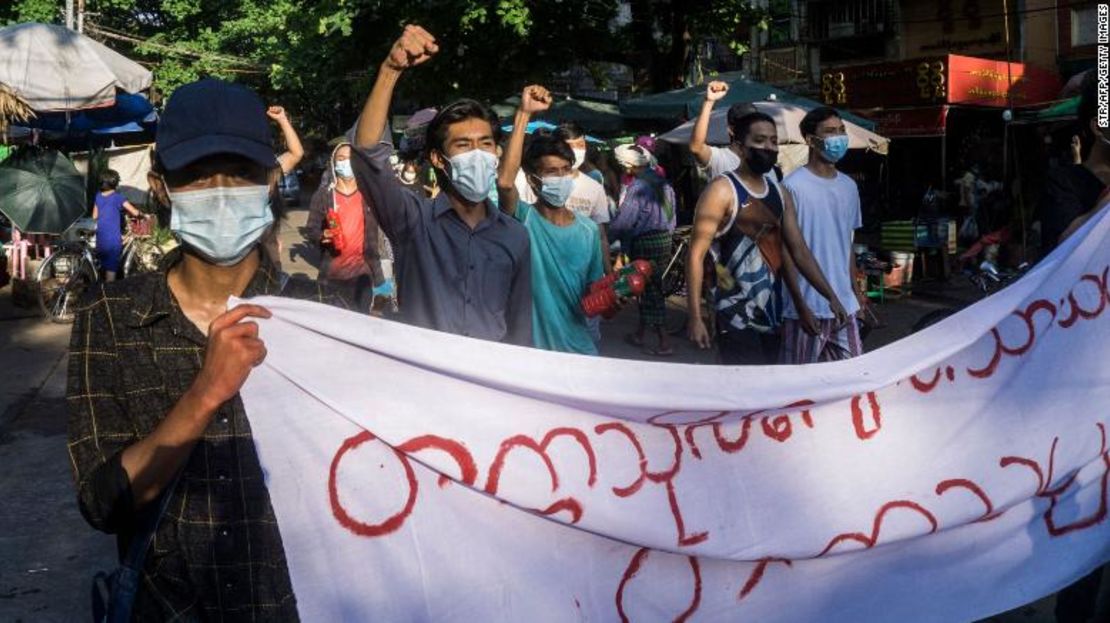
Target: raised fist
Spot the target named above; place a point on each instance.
(535, 99)
(715, 90)
(414, 47)
(276, 113)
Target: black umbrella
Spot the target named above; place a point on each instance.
(41, 191)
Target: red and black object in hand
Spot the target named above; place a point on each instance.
(333, 234)
(605, 294)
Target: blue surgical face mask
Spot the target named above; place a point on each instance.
(343, 168)
(833, 148)
(473, 173)
(221, 224)
(556, 190)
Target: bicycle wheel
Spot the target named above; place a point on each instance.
(674, 275)
(142, 256)
(61, 280)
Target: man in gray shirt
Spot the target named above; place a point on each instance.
(462, 266)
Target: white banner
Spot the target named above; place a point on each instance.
(960, 472)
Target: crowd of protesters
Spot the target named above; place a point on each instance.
(465, 233)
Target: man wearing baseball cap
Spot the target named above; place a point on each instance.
(158, 437)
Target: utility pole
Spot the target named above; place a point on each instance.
(69, 14)
(81, 16)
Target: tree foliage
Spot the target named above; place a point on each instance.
(318, 57)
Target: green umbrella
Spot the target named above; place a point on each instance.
(41, 191)
(684, 104)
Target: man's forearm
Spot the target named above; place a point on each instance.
(507, 194)
(701, 133)
(371, 123)
(510, 161)
(790, 276)
(152, 462)
(695, 275)
(294, 150)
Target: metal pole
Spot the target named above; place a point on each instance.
(69, 14)
(81, 16)
(1006, 122)
(944, 151)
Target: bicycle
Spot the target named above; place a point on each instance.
(141, 251)
(674, 275)
(67, 272)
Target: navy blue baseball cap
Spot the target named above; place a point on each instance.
(211, 117)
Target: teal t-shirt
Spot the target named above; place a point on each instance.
(565, 260)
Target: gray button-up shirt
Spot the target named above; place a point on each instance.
(474, 282)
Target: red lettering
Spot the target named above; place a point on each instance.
(393, 522)
(869, 541)
(634, 568)
(862, 432)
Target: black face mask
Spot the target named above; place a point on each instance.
(760, 161)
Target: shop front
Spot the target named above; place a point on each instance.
(945, 116)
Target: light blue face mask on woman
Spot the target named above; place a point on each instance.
(221, 224)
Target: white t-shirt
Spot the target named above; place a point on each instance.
(587, 198)
(524, 189)
(828, 214)
(721, 161)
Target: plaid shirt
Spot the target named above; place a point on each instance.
(217, 554)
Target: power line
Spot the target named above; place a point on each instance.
(246, 66)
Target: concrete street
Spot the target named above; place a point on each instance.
(48, 553)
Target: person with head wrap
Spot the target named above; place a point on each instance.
(644, 222)
(648, 143)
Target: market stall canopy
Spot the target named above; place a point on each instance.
(591, 116)
(41, 192)
(686, 103)
(548, 126)
(787, 119)
(128, 111)
(56, 69)
(1060, 111)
